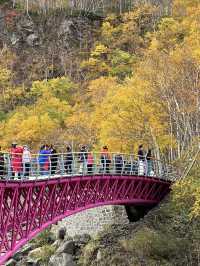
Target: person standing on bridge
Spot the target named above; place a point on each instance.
(83, 159)
(26, 160)
(16, 159)
(119, 163)
(149, 163)
(68, 160)
(90, 162)
(53, 159)
(43, 159)
(105, 160)
(1, 164)
(141, 160)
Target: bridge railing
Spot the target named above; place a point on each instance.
(45, 166)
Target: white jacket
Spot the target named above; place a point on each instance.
(26, 156)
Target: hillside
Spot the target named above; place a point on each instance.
(89, 67)
(168, 235)
(46, 46)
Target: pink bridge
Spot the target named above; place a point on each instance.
(28, 206)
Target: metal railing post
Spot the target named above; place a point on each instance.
(114, 164)
(62, 165)
(96, 166)
(38, 167)
(9, 167)
(73, 164)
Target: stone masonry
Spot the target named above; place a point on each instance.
(92, 221)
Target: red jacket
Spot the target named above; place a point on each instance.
(16, 159)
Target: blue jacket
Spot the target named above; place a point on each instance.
(43, 156)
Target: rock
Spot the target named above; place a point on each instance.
(58, 243)
(33, 257)
(62, 260)
(11, 262)
(85, 238)
(68, 260)
(77, 238)
(56, 260)
(34, 252)
(67, 247)
(61, 233)
(99, 255)
(32, 39)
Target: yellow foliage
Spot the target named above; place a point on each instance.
(98, 88)
(142, 86)
(99, 50)
(35, 124)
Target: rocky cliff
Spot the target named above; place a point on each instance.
(46, 46)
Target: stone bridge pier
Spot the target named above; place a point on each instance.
(92, 221)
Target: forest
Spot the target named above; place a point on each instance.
(98, 6)
(135, 79)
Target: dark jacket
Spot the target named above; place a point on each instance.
(69, 157)
(1, 159)
(141, 156)
(118, 159)
(83, 155)
(53, 156)
(149, 156)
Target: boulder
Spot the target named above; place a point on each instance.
(77, 238)
(58, 243)
(61, 233)
(62, 260)
(67, 247)
(56, 260)
(68, 260)
(34, 253)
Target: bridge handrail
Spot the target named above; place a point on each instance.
(46, 166)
